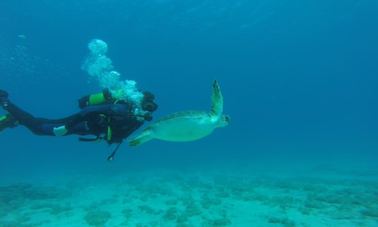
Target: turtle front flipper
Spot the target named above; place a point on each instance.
(217, 100)
(144, 137)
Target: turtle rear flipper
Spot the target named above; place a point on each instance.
(144, 137)
(217, 100)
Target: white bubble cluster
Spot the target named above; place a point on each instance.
(98, 47)
(99, 66)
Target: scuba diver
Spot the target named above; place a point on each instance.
(101, 116)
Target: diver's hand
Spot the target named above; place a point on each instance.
(148, 117)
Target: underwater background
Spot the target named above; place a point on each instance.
(300, 82)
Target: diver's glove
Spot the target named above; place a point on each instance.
(148, 116)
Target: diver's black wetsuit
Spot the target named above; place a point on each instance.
(111, 120)
(91, 120)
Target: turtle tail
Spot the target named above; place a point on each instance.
(144, 137)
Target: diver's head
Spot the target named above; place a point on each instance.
(148, 103)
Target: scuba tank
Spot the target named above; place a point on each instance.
(104, 97)
(96, 99)
(93, 102)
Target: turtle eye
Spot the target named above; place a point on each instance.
(227, 118)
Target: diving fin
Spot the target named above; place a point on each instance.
(7, 121)
(3, 99)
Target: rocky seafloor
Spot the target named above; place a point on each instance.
(193, 199)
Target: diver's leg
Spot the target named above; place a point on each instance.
(36, 125)
(74, 124)
(22, 116)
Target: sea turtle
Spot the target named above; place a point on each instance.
(187, 125)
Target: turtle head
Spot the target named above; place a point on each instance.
(224, 121)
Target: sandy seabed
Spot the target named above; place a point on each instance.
(163, 198)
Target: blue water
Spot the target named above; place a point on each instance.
(300, 81)
(295, 76)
